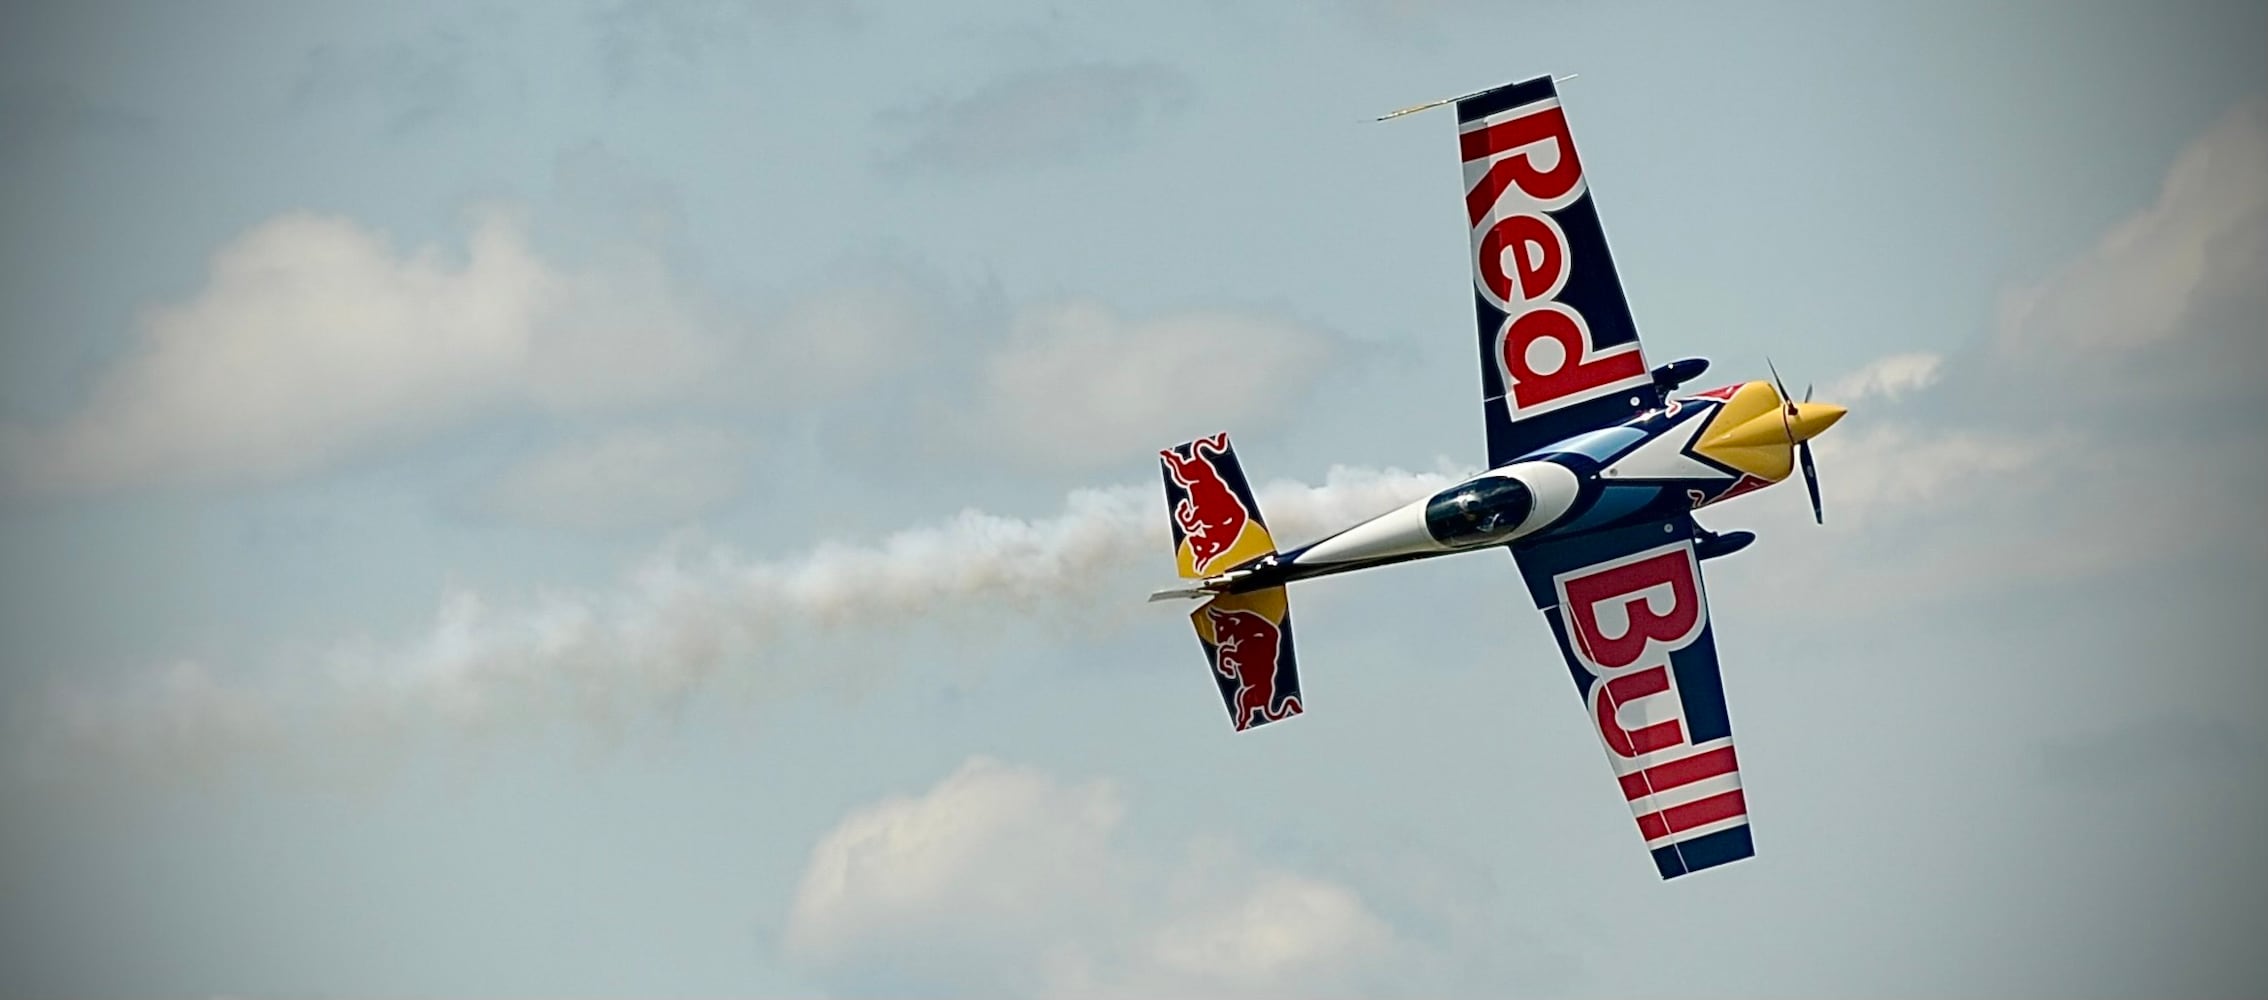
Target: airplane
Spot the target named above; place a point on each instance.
(1595, 468)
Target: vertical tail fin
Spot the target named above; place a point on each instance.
(1216, 522)
(1248, 640)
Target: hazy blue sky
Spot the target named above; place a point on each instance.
(654, 498)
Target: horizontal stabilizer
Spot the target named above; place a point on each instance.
(1248, 640)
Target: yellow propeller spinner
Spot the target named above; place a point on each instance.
(1753, 434)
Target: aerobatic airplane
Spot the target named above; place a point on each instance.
(1595, 470)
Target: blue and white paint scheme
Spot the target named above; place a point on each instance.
(1595, 470)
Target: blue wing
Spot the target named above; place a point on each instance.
(1559, 349)
(1632, 622)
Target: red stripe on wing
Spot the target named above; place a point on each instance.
(1655, 826)
(1682, 771)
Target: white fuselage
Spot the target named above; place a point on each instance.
(1494, 508)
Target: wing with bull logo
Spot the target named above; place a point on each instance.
(1632, 621)
(1559, 349)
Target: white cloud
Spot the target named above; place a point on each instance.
(1004, 879)
(2205, 239)
(1869, 468)
(632, 477)
(315, 338)
(1283, 933)
(311, 334)
(2031, 496)
(1896, 467)
(621, 332)
(1079, 384)
(1885, 378)
(991, 852)
(2175, 295)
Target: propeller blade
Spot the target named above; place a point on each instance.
(1811, 482)
(1803, 448)
(1787, 408)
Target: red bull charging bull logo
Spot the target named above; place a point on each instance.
(1249, 652)
(1209, 516)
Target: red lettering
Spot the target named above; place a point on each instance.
(1520, 169)
(1623, 690)
(1530, 279)
(1522, 260)
(1630, 584)
(1561, 371)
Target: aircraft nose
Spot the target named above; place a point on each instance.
(1812, 419)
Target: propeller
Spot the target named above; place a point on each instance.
(1803, 448)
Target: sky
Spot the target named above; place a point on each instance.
(654, 497)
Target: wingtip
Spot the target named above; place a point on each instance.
(1430, 105)
(1414, 109)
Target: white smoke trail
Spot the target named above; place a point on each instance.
(680, 622)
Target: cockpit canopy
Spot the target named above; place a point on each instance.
(1478, 512)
